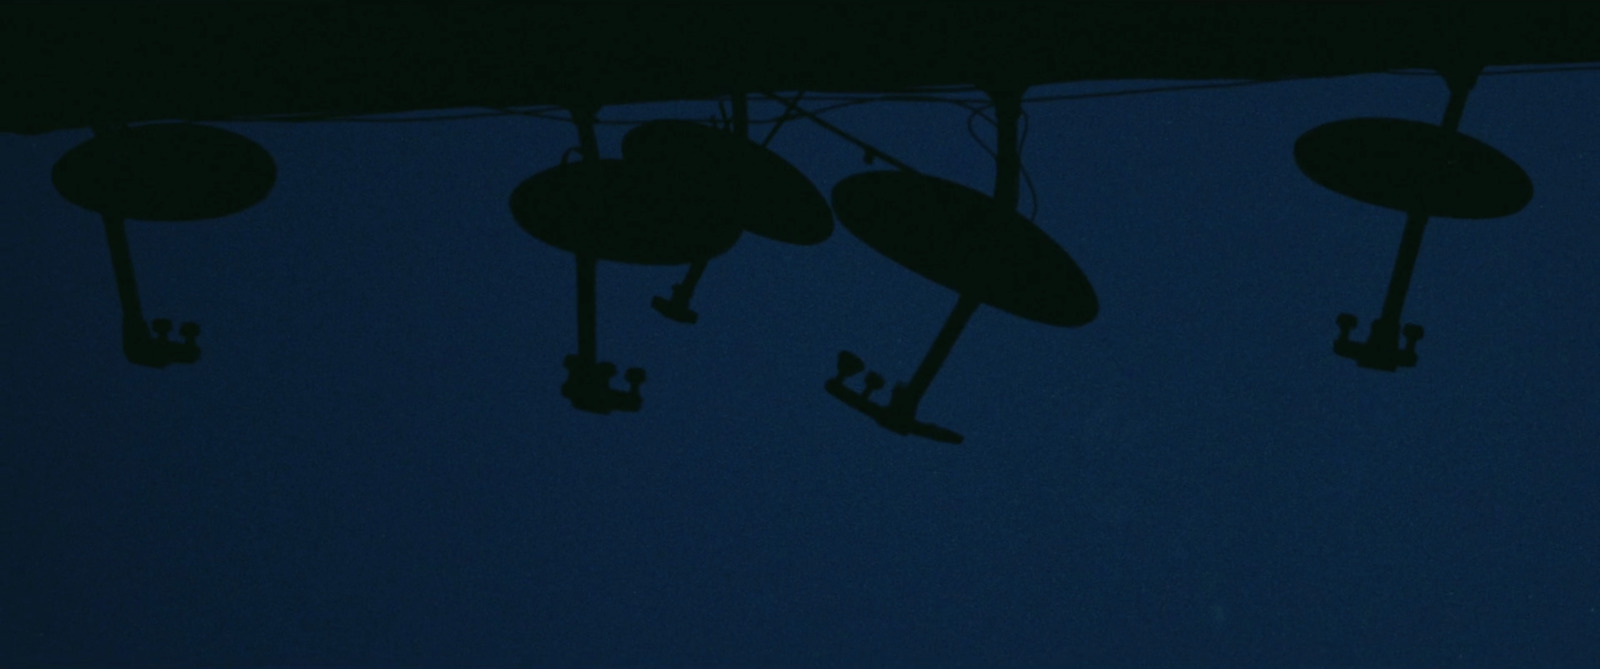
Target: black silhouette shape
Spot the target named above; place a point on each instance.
(238, 59)
(968, 242)
(1412, 166)
(1423, 170)
(161, 172)
(748, 185)
(613, 212)
(606, 209)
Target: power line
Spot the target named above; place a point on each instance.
(937, 95)
(1547, 69)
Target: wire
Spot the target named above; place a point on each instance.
(929, 94)
(779, 119)
(894, 97)
(977, 112)
(872, 151)
(548, 112)
(364, 118)
(1413, 72)
(792, 103)
(1546, 70)
(1163, 89)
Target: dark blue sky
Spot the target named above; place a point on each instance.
(373, 464)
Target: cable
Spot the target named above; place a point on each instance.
(792, 103)
(872, 151)
(977, 112)
(1163, 89)
(1546, 70)
(1415, 72)
(843, 100)
(893, 97)
(779, 119)
(1022, 141)
(931, 94)
(362, 118)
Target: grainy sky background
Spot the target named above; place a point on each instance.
(372, 465)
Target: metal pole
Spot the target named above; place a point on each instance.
(585, 118)
(911, 394)
(1008, 161)
(1461, 83)
(135, 334)
(1008, 168)
(741, 116)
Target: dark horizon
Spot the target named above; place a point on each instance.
(71, 65)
